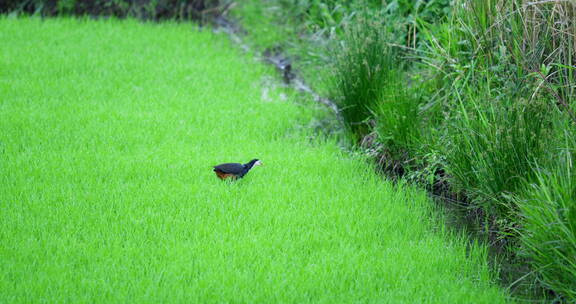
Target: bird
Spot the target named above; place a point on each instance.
(235, 171)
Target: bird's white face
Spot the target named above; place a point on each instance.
(258, 163)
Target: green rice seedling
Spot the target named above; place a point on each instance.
(107, 194)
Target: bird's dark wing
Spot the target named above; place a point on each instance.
(232, 168)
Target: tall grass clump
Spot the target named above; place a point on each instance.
(541, 36)
(510, 96)
(492, 144)
(397, 116)
(365, 65)
(522, 44)
(549, 231)
(399, 125)
(548, 212)
(504, 69)
(519, 41)
(323, 14)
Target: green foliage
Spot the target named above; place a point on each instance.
(491, 145)
(398, 119)
(320, 14)
(65, 7)
(109, 131)
(548, 234)
(494, 79)
(547, 210)
(365, 66)
(524, 38)
(201, 10)
(502, 130)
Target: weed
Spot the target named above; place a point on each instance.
(548, 212)
(365, 66)
(199, 10)
(492, 146)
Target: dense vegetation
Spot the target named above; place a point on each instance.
(199, 10)
(109, 130)
(473, 99)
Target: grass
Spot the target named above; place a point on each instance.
(199, 10)
(109, 129)
(549, 234)
(498, 143)
(548, 210)
(511, 158)
(472, 99)
(364, 69)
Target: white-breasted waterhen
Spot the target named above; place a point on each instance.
(235, 170)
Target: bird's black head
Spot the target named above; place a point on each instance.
(254, 162)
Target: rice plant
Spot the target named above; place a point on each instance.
(109, 132)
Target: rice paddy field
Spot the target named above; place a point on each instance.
(108, 131)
